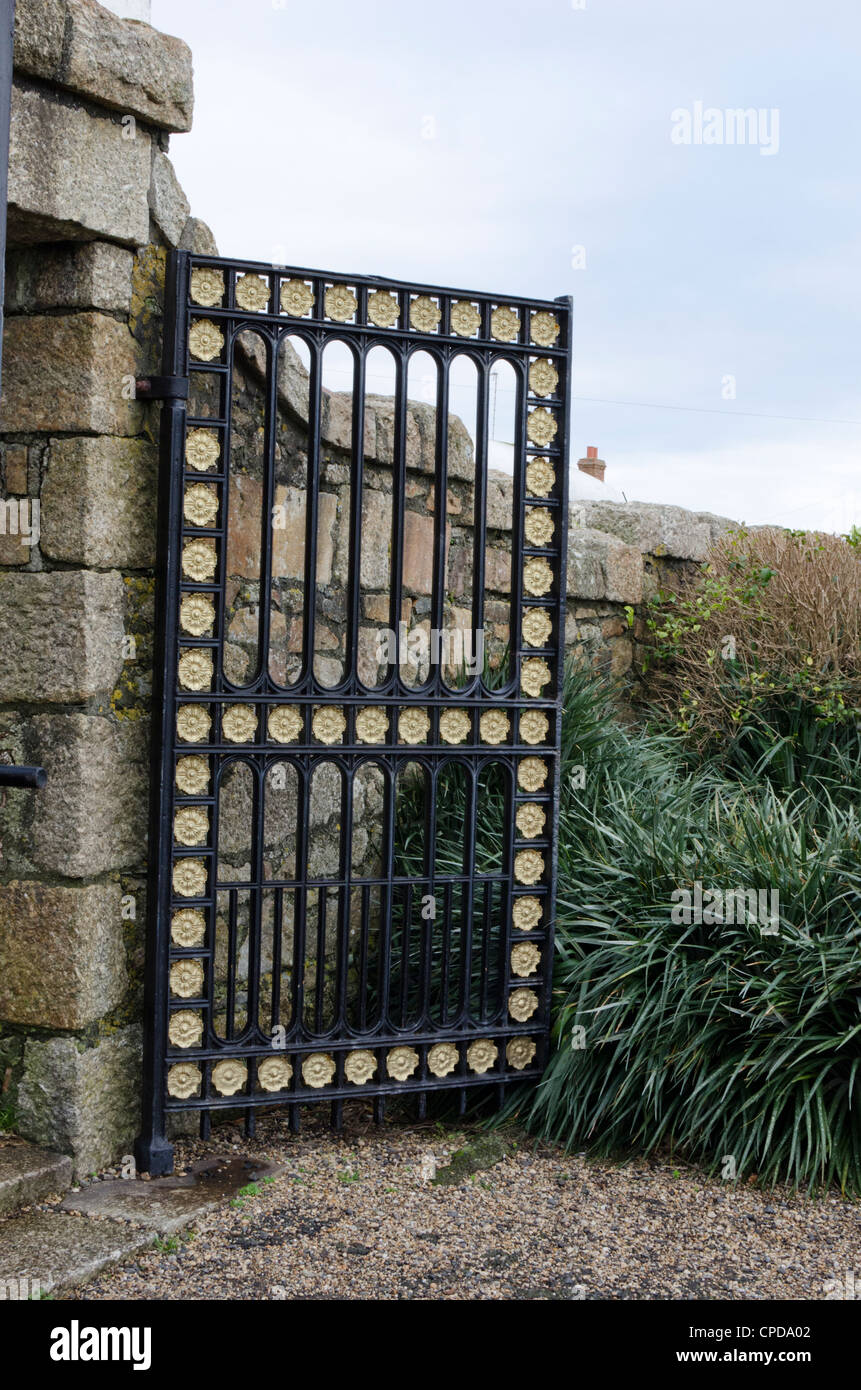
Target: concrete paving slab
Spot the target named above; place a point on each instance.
(166, 1205)
(43, 1251)
(27, 1174)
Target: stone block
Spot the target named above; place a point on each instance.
(82, 1101)
(602, 567)
(168, 204)
(47, 1251)
(61, 635)
(28, 1174)
(89, 275)
(15, 468)
(99, 502)
(654, 528)
(91, 817)
(197, 237)
(67, 375)
(418, 553)
(500, 489)
(376, 539)
(62, 963)
(130, 67)
(72, 174)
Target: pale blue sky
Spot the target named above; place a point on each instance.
(550, 129)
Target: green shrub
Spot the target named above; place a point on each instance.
(715, 1039)
(759, 662)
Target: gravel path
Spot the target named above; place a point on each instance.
(356, 1217)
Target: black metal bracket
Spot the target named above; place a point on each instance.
(161, 388)
(14, 776)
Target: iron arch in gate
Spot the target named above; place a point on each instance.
(357, 691)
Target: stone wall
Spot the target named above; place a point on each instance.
(93, 207)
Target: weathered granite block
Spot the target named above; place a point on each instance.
(602, 567)
(62, 963)
(99, 502)
(73, 175)
(92, 815)
(67, 375)
(132, 67)
(90, 275)
(61, 635)
(82, 1101)
(655, 529)
(168, 204)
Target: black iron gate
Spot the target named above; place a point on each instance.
(356, 778)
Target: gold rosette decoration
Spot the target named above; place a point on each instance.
(401, 1062)
(528, 866)
(534, 675)
(522, 1004)
(532, 774)
(454, 725)
(229, 1076)
(543, 377)
(239, 723)
(200, 504)
(383, 309)
(539, 526)
(372, 724)
(494, 726)
(413, 724)
(183, 1080)
(189, 878)
(536, 627)
(192, 775)
(318, 1070)
(340, 303)
(544, 329)
(196, 614)
(185, 1028)
(530, 819)
(193, 723)
(191, 825)
(199, 560)
(195, 668)
(537, 576)
(285, 723)
(520, 1052)
(541, 427)
(481, 1055)
(525, 958)
(207, 286)
(540, 477)
(201, 450)
(252, 293)
(359, 1067)
(205, 340)
(442, 1059)
(505, 324)
(526, 913)
(188, 927)
(328, 724)
(296, 298)
(534, 726)
(274, 1073)
(465, 318)
(186, 979)
(424, 314)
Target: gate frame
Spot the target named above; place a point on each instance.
(153, 1150)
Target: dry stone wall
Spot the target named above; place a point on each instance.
(94, 205)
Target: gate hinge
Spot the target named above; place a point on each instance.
(161, 388)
